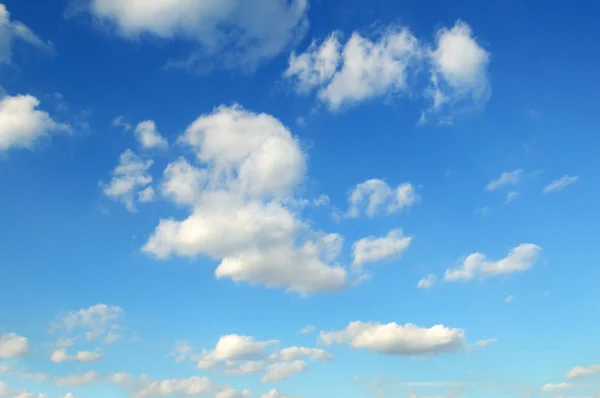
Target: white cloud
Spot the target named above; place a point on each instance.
(560, 184)
(375, 196)
(519, 259)
(239, 32)
(459, 74)
(131, 176)
(362, 70)
(506, 178)
(15, 30)
(23, 126)
(511, 196)
(580, 371)
(190, 387)
(252, 165)
(509, 299)
(283, 370)
(232, 393)
(182, 351)
(485, 343)
(373, 249)
(273, 394)
(307, 329)
(99, 321)
(233, 347)
(394, 339)
(78, 380)
(120, 121)
(554, 387)
(289, 354)
(60, 355)
(13, 346)
(427, 282)
(244, 368)
(70, 395)
(148, 136)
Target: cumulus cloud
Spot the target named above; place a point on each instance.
(130, 177)
(373, 249)
(232, 393)
(148, 136)
(233, 347)
(394, 339)
(476, 265)
(506, 178)
(427, 282)
(238, 32)
(360, 70)
(78, 380)
(23, 125)
(13, 346)
(555, 387)
(250, 165)
(60, 355)
(459, 70)
(273, 394)
(190, 387)
(283, 370)
(560, 184)
(579, 372)
(244, 368)
(11, 31)
(289, 354)
(99, 321)
(375, 196)
(7, 392)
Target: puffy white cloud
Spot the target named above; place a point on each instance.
(293, 353)
(506, 178)
(581, 371)
(148, 136)
(13, 346)
(361, 70)
(131, 176)
(23, 125)
(554, 387)
(273, 394)
(190, 387)
(375, 196)
(70, 395)
(78, 380)
(233, 347)
(459, 74)
(283, 370)
(232, 393)
(60, 355)
(307, 329)
(427, 282)
(519, 259)
(394, 339)
(15, 30)
(251, 166)
(242, 33)
(560, 184)
(372, 249)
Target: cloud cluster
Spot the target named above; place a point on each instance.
(375, 196)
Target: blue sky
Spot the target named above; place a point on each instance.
(298, 199)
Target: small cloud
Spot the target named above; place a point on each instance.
(483, 211)
(308, 329)
(560, 184)
(511, 196)
(427, 282)
(509, 299)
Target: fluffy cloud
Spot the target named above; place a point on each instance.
(148, 136)
(131, 176)
(372, 249)
(560, 184)
(283, 370)
(293, 353)
(554, 387)
(375, 196)
(519, 259)
(251, 166)
(273, 394)
(427, 282)
(22, 124)
(190, 387)
(233, 347)
(232, 393)
(506, 178)
(459, 74)
(394, 339)
(361, 70)
(15, 30)
(78, 380)
(13, 346)
(240, 32)
(60, 355)
(579, 372)
(244, 368)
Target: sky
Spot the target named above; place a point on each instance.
(299, 198)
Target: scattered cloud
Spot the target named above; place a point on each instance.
(519, 259)
(234, 33)
(233, 347)
(290, 354)
(509, 299)
(485, 343)
(273, 394)
(394, 339)
(11, 31)
(307, 329)
(13, 346)
(182, 351)
(506, 178)
(560, 184)
(23, 125)
(579, 372)
(130, 177)
(373, 249)
(427, 282)
(551, 387)
(60, 355)
(511, 196)
(148, 136)
(78, 380)
(283, 370)
(375, 196)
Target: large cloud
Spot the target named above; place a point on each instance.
(23, 125)
(394, 339)
(250, 167)
(15, 30)
(245, 32)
